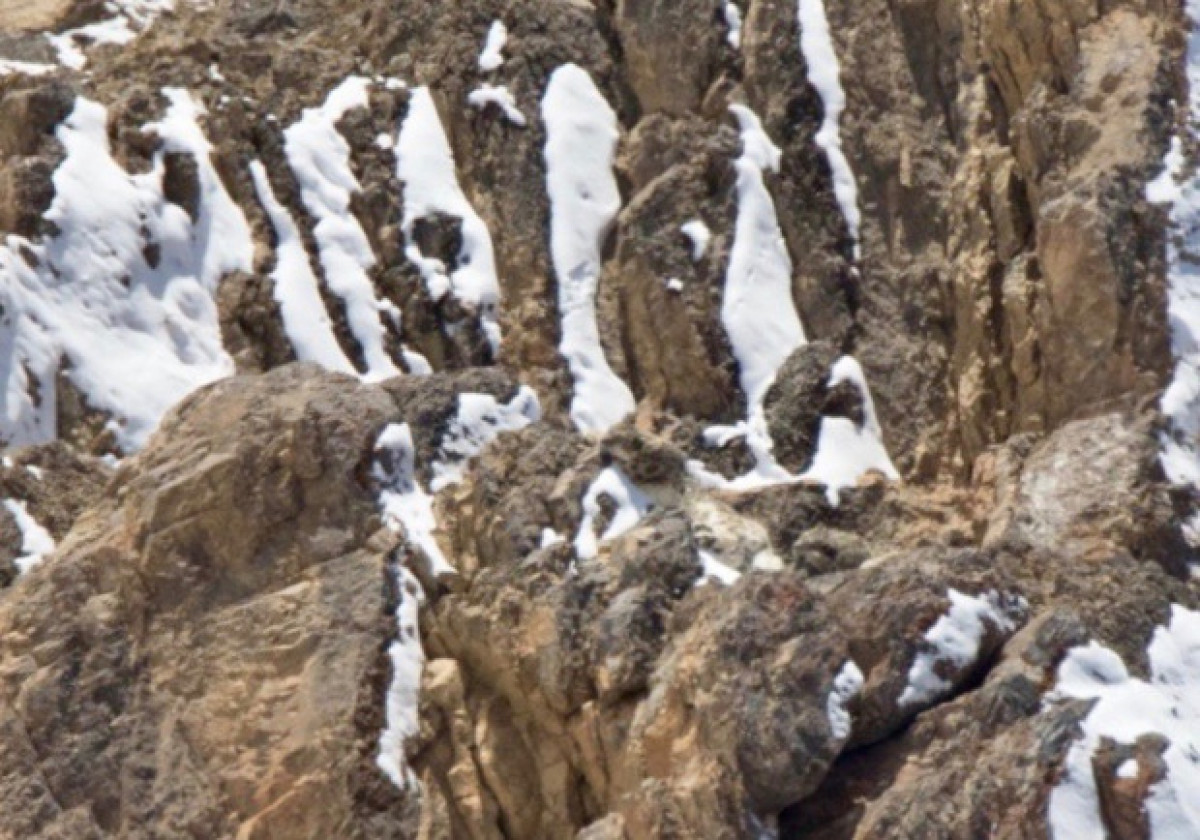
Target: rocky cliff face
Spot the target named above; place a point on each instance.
(598, 420)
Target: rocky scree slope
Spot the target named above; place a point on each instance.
(629, 419)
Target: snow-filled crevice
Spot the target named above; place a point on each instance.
(320, 159)
(122, 297)
(955, 641)
(581, 142)
(764, 328)
(1124, 708)
(824, 74)
(425, 167)
(1178, 186)
(36, 542)
(408, 508)
(407, 658)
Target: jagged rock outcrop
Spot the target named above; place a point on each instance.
(592, 420)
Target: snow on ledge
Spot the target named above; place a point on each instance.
(581, 142)
(502, 98)
(1125, 708)
(403, 696)
(955, 640)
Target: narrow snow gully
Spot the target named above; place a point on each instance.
(581, 144)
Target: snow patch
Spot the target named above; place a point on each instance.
(846, 686)
(425, 166)
(9, 67)
(824, 74)
(122, 296)
(36, 541)
(405, 504)
(130, 19)
(500, 96)
(480, 419)
(845, 451)
(632, 505)
(581, 142)
(320, 158)
(714, 569)
(700, 236)
(955, 639)
(492, 56)
(733, 21)
(1125, 708)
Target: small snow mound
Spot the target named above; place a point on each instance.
(954, 640)
(1125, 708)
(36, 542)
(631, 503)
(714, 569)
(846, 686)
(581, 143)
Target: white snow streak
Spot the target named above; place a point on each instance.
(123, 295)
(492, 56)
(581, 142)
(36, 541)
(816, 43)
(714, 569)
(632, 504)
(955, 639)
(733, 21)
(425, 165)
(1126, 708)
(296, 288)
(408, 661)
(9, 67)
(320, 158)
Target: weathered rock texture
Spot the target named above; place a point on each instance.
(205, 653)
